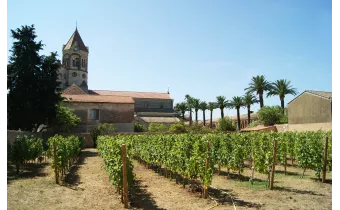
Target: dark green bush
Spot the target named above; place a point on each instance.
(225, 124)
(139, 127)
(177, 128)
(157, 127)
(270, 115)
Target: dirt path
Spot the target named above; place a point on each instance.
(87, 187)
(162, 193)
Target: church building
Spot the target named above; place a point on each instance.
(121, 108)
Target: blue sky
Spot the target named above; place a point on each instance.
(201, 48)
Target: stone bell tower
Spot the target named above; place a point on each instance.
(74, 63)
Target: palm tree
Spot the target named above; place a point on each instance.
(281, 88)
(181, 108)
(211, 107)
(258, 85)
(188, 99)
(237, 102)
(196, 105)
(221, 103)
(249, 99)
(203, 107)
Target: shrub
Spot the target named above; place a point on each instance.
(157, 127)
(270, 115)
(198, 128)
(106, 129)
(225, 124)
(66, 119)
(139, 127)
(177, 128)
(254, 124)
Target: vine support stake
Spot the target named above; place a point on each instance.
(325, 161)
(205, 188)
(55, 163)
(125, 188)
(273, 169)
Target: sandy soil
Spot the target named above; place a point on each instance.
(87, 187)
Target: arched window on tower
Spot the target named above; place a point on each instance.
(73, 62)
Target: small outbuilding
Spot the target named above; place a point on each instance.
(311, 107)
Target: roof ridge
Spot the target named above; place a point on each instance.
(130, 91)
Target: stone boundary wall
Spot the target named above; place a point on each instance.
(305, 127)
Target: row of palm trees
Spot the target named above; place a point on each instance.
(258, 85)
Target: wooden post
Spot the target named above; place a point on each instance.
(55, 163)
(125, 188)
(324, 168)
(273, 169)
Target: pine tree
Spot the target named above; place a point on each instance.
(31, 82)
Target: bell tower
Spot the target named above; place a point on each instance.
(75, 63)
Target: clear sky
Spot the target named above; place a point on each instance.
(201, 48)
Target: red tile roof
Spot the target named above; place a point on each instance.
(132, 94)
(98, 99)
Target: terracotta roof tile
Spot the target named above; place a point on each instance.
(73, 90)
(132, 94)
(98, 99)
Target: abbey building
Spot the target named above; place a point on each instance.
(121, 108)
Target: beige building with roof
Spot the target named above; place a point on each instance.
(310, 111)
(310, 107)
(121, 108)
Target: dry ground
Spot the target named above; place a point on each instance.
(87, 187)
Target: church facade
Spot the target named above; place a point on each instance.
(121, 108)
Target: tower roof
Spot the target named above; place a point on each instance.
(76, 38)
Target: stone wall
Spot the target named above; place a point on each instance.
(305, 127)
(121, 115)
(153, 105)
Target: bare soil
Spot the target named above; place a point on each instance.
(87, 187)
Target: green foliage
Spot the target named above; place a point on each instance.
(177, 128)
(157, 127)
(107, 128)
(254, 124)
(31, 82)
(24, 149)
(225, 124)
(67, 150)
(270, 115)
(198, 128)
(66, 119)
(187, 154)
(139, 127)
(109, 148)
(95, 132)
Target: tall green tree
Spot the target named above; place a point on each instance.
(181, 108)
(258, 85)
(66, 120)
(203, 107)
(196, 104)
(188, 99)
(31, 82)
(249, 99)
(281, 88)
(236, 103)
(211, 107)
(221, 103)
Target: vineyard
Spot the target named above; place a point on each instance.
(64, 152)
(194, 158)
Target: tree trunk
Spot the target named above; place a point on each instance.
(196, 112)
(222, 114)
(283, 105)
(261, 100)
(190, 120)
(211, 112)
(183, 113)
(238, 119)
(248, 114)
(203, 117)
